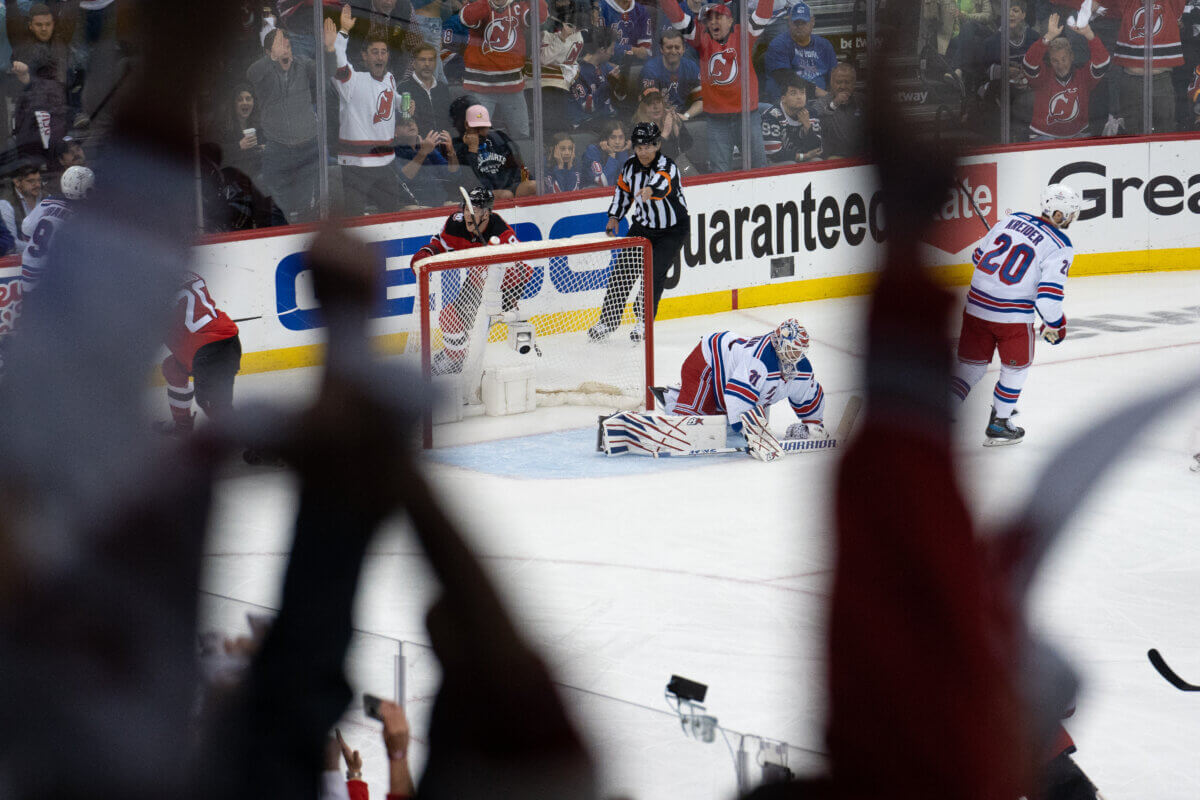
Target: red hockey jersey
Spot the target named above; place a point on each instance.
(1167, 50)
(721, 62)
(496, 48)
(196, 320)
(455, 236)
(1060, 106)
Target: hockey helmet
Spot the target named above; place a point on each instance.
(1062, 198)
(481, 197)
(645, 133)
(790, 341)
(76, 183)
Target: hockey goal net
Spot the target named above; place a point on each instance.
(567, 313)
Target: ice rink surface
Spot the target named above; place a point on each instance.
(624, 571)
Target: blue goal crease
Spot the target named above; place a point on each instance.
(563, 455)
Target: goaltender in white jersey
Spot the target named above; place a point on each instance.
(729, 375)
(729, 382)
(1020, 268)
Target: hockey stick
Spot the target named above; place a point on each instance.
(849, 416)
(982, 221)
(467, 199)
(1169, 674)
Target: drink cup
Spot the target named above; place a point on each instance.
(251, 133)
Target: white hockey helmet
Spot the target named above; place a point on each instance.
(790, 341)
(76, 183)
(1062, 198)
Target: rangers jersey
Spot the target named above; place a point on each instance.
(631, 27)
(1060, 105)
(745, 373)
(1020, 267)
(496, 48)
(366, 113)
(39, 229)
(196, 321)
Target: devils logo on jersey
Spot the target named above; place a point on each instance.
(1064, 106)
(1137, 27)
(383, 106)
(723, 67)
(500, 35)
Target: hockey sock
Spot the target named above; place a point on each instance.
(454, 333)
(966, 375)
(1008, 390)
(180, 400)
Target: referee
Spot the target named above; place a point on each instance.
(649, 182)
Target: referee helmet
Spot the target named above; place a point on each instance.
(645, 133)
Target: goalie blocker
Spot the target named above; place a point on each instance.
(659, 435)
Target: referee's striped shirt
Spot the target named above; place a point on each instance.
(666, 207)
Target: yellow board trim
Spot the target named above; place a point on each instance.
(1086, 265)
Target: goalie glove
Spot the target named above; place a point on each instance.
(1054, 334)
(760, 442)
(809, 430)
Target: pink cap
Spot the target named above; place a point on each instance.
(477, 117)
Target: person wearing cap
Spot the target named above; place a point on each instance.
(801, 53)
(790, 134)
(675, 141)
(492, 156)
(649, 185)
(719, 46)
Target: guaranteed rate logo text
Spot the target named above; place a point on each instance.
(784, 228)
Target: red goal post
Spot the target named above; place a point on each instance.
(471, 301)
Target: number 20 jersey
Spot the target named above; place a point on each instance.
(1020, 267)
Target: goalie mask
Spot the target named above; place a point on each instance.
(790, 341)
(1063, 199)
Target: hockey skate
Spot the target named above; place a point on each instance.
(599, 332)
(172, 429)
(660, 394)
(446, 364)
(1002, 431)
(1196, 463)
(638, 333)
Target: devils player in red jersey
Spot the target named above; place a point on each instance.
(467, 228)
(205, 353)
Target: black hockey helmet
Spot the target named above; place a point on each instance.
(481, 197)
(645, 133)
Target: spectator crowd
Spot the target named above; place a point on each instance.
(421, 98)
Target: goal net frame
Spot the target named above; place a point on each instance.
(489, 255)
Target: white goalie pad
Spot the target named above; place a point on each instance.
(658, 435)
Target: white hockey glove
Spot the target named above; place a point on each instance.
(760, 442)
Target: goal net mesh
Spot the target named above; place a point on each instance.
(570, 308)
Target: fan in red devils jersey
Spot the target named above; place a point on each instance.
(205, 353)
(463, 230)
(1061, 92)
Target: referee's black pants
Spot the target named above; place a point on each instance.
(664, 249)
